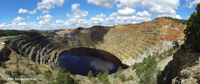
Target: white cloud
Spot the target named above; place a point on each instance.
(21, 10)
(143, 14)
(77, 13)
(100, 16)
(47, 16)
(17, 20)
(154, 6)
(160, 7)
(126, 12)
(3, 25)
(38, 18)
(45, 11)
(167, 15)
(103, 3)
(22, 24)
(28, 17)
(45, 20)
(60, 22)
(129, 3)
(49, 4)
(192, 3)
(97, 20)
(32, 12)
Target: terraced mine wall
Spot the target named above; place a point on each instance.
(130, 43)
(4, 54)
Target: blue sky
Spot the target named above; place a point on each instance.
(69, 14)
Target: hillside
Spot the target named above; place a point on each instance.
(123, 45)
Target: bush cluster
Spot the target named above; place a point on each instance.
(147, 70)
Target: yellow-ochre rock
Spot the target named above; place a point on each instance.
(129, 43)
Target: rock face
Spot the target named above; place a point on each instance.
(181, 60)
(190, 75)
(129, 43)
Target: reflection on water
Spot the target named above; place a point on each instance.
(82, 64)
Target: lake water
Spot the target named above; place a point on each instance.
(82, 64)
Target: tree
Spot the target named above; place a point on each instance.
(123, 78)
(36, 69)
(15, 73)
(48, 75)
(63, 77)
(193, 30)
(90, 75)
(3, 64)
(99, 76)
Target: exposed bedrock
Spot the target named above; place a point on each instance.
(130, 43)
(4, 54)
(181, 60)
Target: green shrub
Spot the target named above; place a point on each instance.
(36, 69)
(31, 67)
(123, 78)
(3, 64)
(170, 52)
(130, 78)
(103, 77)
(147, 71)
(48, 75)
(99, 76)
(63, 77)
(15, 74)
(90, 75)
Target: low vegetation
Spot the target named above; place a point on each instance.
(36, 70)
(2, 64)
(175, 20)
(90, 75)
(15, 32)
(103, 77)
(64, 77)
(48, 75)
(192, 31)
(147, 70)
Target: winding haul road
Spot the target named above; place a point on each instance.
(164, 62)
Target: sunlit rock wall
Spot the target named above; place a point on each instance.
(130, 43)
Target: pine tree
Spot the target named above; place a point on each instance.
(63, 77)
(193, 30)
(36, 69)
(90, 75)
(48, 75)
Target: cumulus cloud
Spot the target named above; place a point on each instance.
(77, 13)
(21, 10)
(167, 15)
(129, 3)
(160, 7)
(143, 14)
(17, 20)
(45, 11)
(191, 3)
(32, 12)
(103, 3)
(47, 16)
(154, 6)
(98, 19)
(45, 19)
(28, 17)
(49, 4)
(126, 12)
(3, 25)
